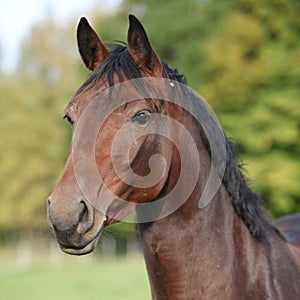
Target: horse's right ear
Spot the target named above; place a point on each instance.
(91, 49)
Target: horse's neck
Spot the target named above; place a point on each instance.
(206, 253)
(188, 250)
(192, 248)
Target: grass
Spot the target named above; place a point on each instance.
(74, 278)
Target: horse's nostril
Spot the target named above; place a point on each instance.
(76, 215)
(84, 211)
(48, 213)
(86, 218)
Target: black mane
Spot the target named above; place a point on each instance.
(246, 203)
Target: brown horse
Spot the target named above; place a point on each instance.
(224, 248)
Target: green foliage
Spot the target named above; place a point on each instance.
(28, 153)
(252, 81)
(33, 138)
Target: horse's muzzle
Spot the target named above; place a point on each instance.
(73, 225)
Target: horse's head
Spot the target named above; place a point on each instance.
(115, 163)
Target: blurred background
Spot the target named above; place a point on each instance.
(242, 56)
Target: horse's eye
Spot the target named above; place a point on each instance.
(142, 117)
(68, 118)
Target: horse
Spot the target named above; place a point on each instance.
(225, 248)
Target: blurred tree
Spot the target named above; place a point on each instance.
(252, 78)
(34, 139)
(49, 53)
(29, 155)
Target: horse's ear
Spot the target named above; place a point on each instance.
(91, 49)
(140, 48)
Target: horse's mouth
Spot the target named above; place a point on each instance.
(85, 249)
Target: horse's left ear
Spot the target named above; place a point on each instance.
(91, 49)
(141, 50)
